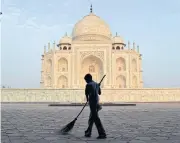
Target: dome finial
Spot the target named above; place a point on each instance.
(91, 9)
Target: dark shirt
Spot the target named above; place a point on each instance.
(92, 90)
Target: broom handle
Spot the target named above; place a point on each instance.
(102, 79)
(87, 101)
(81, 110)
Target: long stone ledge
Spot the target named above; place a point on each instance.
(175, 88)
(144, 95)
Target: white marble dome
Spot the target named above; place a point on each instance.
(91, 25)
(65, 40)
(118, 39)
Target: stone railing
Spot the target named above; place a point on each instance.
(77, 95)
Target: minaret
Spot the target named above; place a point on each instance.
(54, 46)
(128, 45)
(42, 69)
(138, 48)
(44, 49)
(140, 72)
(48, 47)
(134, 45)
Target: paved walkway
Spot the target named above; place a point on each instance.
(144, 123)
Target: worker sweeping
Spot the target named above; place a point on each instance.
(92, 90)
(94, 106)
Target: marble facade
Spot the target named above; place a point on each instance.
(91, 48)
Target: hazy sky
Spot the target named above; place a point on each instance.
(27, 25)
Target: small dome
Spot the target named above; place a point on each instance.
(65, 40)
(91, 25)
(118, 39)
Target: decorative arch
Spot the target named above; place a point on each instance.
(91, 68)
(64, 48)
(134, 82)
(122, 47)
(86, 54)
(48, 81)
(113, 48)
(121, 64)
(117, 48)
(62, 65)
(49, 65)
(62, 82)
(93, 65)
(134, 65)
(121, 81)
(69, 48)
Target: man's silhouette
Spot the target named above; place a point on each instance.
(92, 90)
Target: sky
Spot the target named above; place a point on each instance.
(28, 25)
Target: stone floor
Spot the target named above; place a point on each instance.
(144, 123)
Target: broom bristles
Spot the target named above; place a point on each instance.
(68, 127)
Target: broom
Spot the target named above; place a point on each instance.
(70, 126)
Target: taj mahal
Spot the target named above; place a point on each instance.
(91, 48)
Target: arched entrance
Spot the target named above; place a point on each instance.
(92, 65)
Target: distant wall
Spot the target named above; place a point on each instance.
(78, 96)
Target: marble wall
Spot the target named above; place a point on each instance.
(78, 96)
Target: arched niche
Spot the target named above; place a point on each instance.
(62, 82)
(134, 82)
(48, 82)
(62, 65)
(121, 81)
(49, 66)
(134, 65)
(64, 48)
(117, 48)
(120, 64)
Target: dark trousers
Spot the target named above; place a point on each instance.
(94, 118)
